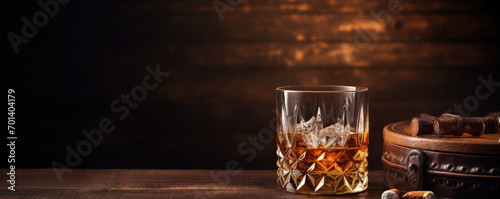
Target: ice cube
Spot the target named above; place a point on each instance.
(334, 135)
(310, 131)
(327, 135)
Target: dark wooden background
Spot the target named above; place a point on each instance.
(223, 75)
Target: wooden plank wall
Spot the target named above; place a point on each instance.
(223, 74)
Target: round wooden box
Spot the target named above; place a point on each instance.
(456, 167)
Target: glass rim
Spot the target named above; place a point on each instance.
(323, 89)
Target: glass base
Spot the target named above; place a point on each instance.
(316, 183)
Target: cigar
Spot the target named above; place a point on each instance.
(450, 124)
(391, 194)
(492, 123)
(423, 124)
(419, 195)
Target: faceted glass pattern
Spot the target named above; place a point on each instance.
(325, 154)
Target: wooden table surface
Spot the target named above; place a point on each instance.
(105, 183)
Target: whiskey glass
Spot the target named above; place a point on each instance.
(322, 139)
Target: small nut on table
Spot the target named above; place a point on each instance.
(391, 194)
(419, 195)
